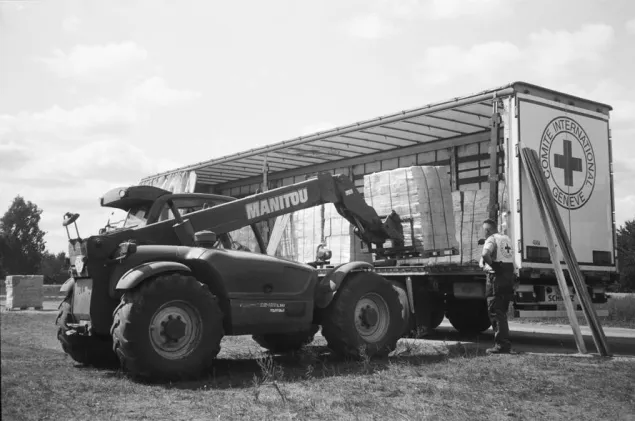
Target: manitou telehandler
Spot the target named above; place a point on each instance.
(157, 293)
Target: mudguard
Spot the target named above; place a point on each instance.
(329, 285)
(134, 276)
(67, 286)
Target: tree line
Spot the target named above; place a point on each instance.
(23, 248)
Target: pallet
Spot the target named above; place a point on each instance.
(421, 194)
(39, 308)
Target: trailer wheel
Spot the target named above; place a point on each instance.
(286, 342)
(436, 318)
(169, 328)
(94, 350)
(365, 317)
(469, 316)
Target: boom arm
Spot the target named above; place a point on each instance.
(325, 188)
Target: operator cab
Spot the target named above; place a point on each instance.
(134, 201)
(144, 205)
(137, 206)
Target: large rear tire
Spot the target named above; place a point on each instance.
(365, 318)
(94, 350)
(469, 316)
(286, 342)
(170, 328)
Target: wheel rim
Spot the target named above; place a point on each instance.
(175, 330)
(372, 317)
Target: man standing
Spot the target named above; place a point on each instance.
(498, 261)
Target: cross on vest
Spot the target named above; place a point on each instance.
(504, 251)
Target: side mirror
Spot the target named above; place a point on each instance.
(69, 218)
(481, 241)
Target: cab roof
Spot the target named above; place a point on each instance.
(128, 197)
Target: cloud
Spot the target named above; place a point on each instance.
(630, 26)
(93, 61)
(70, 24)
(558, 49)
(154, 91)
(12, 156)
(624, 174)
(450, 9)
(61, 180)
(371, 26)
(549, 57)
(101, 117)
(408, 10)
(446, 64)
(315, 128)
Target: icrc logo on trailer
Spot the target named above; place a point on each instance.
(568, 162)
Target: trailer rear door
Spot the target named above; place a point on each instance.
(575, 155)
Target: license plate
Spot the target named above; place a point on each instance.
(558, 297)
(81, 298)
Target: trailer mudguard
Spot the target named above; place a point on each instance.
(67, 285)
(134, 276)
(331, 282)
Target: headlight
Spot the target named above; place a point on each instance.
(122, 193)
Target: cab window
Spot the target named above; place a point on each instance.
(185, 206)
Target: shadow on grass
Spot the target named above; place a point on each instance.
(312, 362)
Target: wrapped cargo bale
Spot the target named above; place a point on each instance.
(302, 235)
(340, 239)
(246, 238)
(309, 228)
(470, 210)
(24, 291)
(422, 194)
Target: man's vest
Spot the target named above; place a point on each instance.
(500, 247)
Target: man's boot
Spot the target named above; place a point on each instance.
(497, 349)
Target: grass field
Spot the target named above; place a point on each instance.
(421, 381)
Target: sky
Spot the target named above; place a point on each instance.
(96, 95)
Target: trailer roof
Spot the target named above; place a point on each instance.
(453, 118)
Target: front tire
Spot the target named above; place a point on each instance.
(286, 342)
(94, 350)
(364, 318)
(169, 328)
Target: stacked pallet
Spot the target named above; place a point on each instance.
(470, 210)
(302, 235)
(24, 291)
(309, 228)
(340, 239)
(422, 194)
